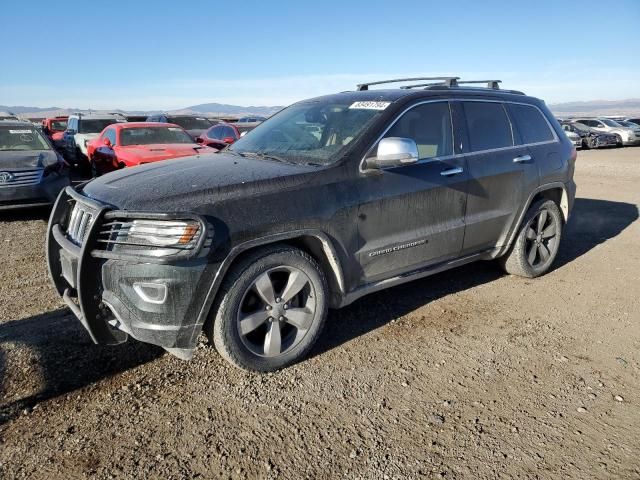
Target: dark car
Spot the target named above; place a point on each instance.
(254, 119)
(223, 134)
(635, 121)
(329, 200)
(194, 125)
(590, 138)
(32, 173)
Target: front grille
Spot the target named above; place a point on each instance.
(21, 177)
(79, 222)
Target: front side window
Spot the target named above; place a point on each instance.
(153, 135)
(487, 125)
(216, 133)
(531, 124)
(111, 135)
(429, 125)
(313, 132)
(21, 138)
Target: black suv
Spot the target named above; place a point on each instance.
(331, 199)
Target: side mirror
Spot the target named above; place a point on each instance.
(394, 152)
(228, 140)
(199, 140)
(107, 143)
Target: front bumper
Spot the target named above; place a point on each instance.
(36, 195)
(102, 288)
(632, 141)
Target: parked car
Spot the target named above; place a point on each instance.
(573, 137)
(625, 135)
(223, 134)
(54, 128)
(194, 125)
(131, 144)
(8, 116)
(81, 129)
(255, 243)
(135, 118)
(634, 120)
(254, 119)
(32, 173)
(590, 138)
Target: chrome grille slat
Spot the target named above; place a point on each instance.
(79, 222)
(22, 177)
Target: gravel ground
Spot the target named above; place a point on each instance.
(467, 374)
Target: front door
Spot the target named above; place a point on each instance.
(413, 216)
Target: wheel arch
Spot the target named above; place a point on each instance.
(556, 191)
(314, 242)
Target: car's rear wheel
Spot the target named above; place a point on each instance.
(271, 309)
(536, 246)
(619, 142)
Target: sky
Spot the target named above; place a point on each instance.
(140, 55)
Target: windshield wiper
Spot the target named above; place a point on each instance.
(263, 155)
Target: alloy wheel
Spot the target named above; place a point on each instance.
(276, 311)
(541, 238)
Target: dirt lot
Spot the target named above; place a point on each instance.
(467, 374)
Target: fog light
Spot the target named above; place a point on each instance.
(151, 292)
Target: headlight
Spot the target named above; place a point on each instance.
(164, 233)
(150, 237)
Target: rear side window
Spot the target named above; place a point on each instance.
(429, 125)
(487, 125)
(531, 124)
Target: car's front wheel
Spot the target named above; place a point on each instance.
(271, 309)
(536, 246)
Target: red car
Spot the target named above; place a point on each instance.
(223, 134)
(129, 144)
(54, 128)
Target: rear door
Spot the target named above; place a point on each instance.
(412, 216)
(502, 174)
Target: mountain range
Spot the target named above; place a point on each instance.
(630, 107)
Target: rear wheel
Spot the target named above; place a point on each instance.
(536, 246)
(271, 309)
(619, 141)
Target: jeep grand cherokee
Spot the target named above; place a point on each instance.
(331, 199)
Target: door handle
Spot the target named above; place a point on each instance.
(522, 159)
(451, 171)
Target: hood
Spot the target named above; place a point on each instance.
(152, 153)
(189, 183)
(28, 159)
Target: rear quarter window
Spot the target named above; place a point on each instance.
(488, 126)
(531, 124)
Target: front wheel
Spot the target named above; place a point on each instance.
(536, 246)
(271, 309)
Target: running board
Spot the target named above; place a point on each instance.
(413, 275)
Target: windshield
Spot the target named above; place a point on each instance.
(191, 123)
(153, 135)
(313, 132)
(95, 126)
(17, 137)
(59, 125)
(610, 123)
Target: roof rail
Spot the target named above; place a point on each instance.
(448, 81)
(418, 85)
(494, 84)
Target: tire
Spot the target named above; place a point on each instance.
(255, 334)
(619, 142)
(521, 259)
(95, 173)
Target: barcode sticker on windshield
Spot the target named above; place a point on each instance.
(370, 105)
(19, 131)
